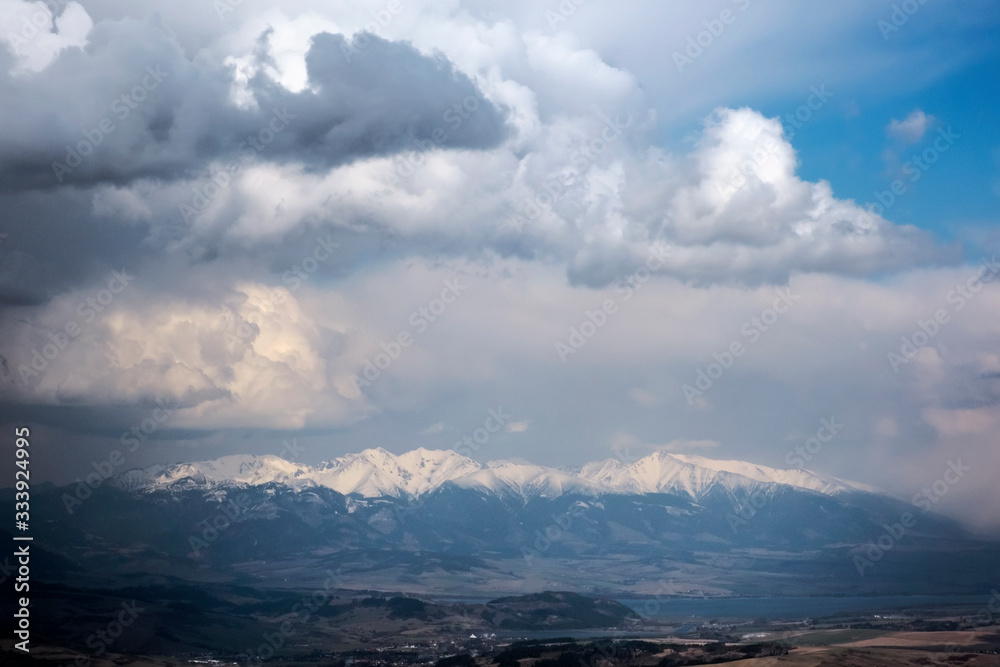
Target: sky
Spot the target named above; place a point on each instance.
(307, 229)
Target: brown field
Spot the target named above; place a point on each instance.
(891, 649)
(864, 657)
(918, 639)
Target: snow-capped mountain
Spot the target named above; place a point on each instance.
(436, 516)
(236, 469)
(377, 473)
(695, 475)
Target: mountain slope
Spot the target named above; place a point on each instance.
(437, 521)
(695, 475)
(376, 473)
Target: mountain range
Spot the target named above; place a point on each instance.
(435, 522)
(376, 473)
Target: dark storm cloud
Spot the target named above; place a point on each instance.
(53, 243)
(382, 99)
(133, 105)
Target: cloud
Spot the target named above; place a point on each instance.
(516, 427)
(254, 360)
(233, 358)
(686, 445)
(577, 155)
(911, 129)
(731, 210)
(643, 397)
(36, 36)
(631, 447)
(132, 106)
(438, 145)
(433, 428)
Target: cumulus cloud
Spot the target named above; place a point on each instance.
(733, 209)
(520, 144)
(255, 359)
(911, 129)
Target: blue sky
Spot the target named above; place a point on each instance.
(959, 191)
(943, 62)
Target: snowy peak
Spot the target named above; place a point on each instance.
(375, 473)
(662, 472)
(802, 479)
(236, 469)
(602, 472)
(429, 469)
(517, 478)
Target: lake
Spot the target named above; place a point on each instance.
(796, 608)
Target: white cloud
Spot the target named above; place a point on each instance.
(433, 428)
(516, 427)
(911, 129)
(733, 209)
(36, 37)
(255, 360)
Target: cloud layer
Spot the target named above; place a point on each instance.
(287, 195)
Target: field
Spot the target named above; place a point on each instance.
(874, 648)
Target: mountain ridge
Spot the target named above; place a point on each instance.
(375, 472)
(506, 527)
